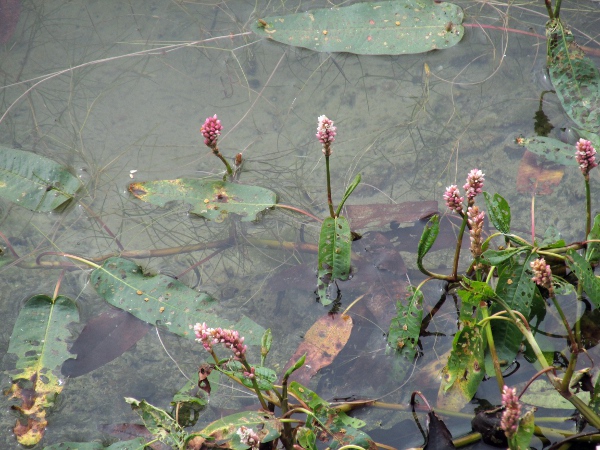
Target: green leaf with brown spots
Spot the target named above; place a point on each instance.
(39, 345)
(403, 335)
(210, 199)
(162, 300)
(465, 369)
(369, 28)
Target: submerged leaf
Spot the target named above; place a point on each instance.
(537, 176)
(372, 28)
(164, 300)
(34, 182)
(212, 200)
(39, 343)
(377, 216)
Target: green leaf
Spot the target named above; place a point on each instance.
(497, 257)
(162, 299)
(406, 326)
(522, 438)
(517, 290)
(335, 252)
(212, 200)
(349, 191)
(159, 423)
(551, 149)
(306, 438)
(265, 345)
(264, 376)
(552, 238)
(428, 237)
(134, 444)
(592, 253)
(542, 394)
(465, 369)
(498, 212)
(39, 343)
(585, 275)
(34, 182)
(370, 28)
(225, 429)
(474, 293)
(575, 77)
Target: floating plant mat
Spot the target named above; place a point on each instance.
(378, 28)
(211, 199)
(34, 182)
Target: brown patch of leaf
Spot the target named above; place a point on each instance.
(379, 215)
(322, 343)
(538, 176)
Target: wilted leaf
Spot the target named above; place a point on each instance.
(335, 252)
(164, 300)
(34, 182)
(321, 344)
(438, 434)
(39, 343)
(465, 369)
(104, 338)
(213, 200)
(536, 176)
(372, 216)
(374, 28)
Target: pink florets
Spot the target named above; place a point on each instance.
(211, 130)
(475, 219)
(326, 133)
(248, 437)
(512, 411)
(229, 338)
(586, 156)
(542, 273)
(453, 199)
(474, 184)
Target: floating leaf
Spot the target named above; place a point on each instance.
(585, 275)
(335, 252)
(34, 182)
(406, 326)
(321, 344)
(104, 338)
(551, 149)
(537, 176)
(162, 299)
(465, 369)
(213, 200)
(134, 444)
(39, 343)
(543, 394)
(498, 212)
(381, 216)
(373, 28)
(575, 77)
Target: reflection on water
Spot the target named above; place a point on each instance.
(117, 91)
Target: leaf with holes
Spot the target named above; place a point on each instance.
(465, 369)
(34, 182)
(371, 28)
(162, 299)
(159, 422)
(335, 252)
(406, 326)
(38, 343)
(498, 212)
(212, 200)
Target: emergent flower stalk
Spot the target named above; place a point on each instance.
(326, 132)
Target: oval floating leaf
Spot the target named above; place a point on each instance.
(551, 149)
(34, 182)
(210, 199)
(39, 343)
(335, 252)
(162, 299)
(370, 28)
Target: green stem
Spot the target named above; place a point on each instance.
(549, 9)
(329, 200)
(588, 204)
(463, 225)
(490, 338)
(216, 151)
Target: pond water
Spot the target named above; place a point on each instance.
(117, 91)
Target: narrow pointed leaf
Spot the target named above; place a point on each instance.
(498, 212)
(592, 253)
(335, 252)
(210, 199)
(349, 191)
(34, 182)
(38, 343)
(430, 233)
(370, 28)
(163, 300)
(585, 275)
(496, 257)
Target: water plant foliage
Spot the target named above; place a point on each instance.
(370, 28)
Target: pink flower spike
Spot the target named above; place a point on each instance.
(453, 199)
(248, 437)
(475, 219)
(585, 156)
(326, 133)
(512, 411)
(229, 338)
(542, 273)
(211, 130)
(474, 184)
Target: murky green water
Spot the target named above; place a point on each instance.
(118, 90)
